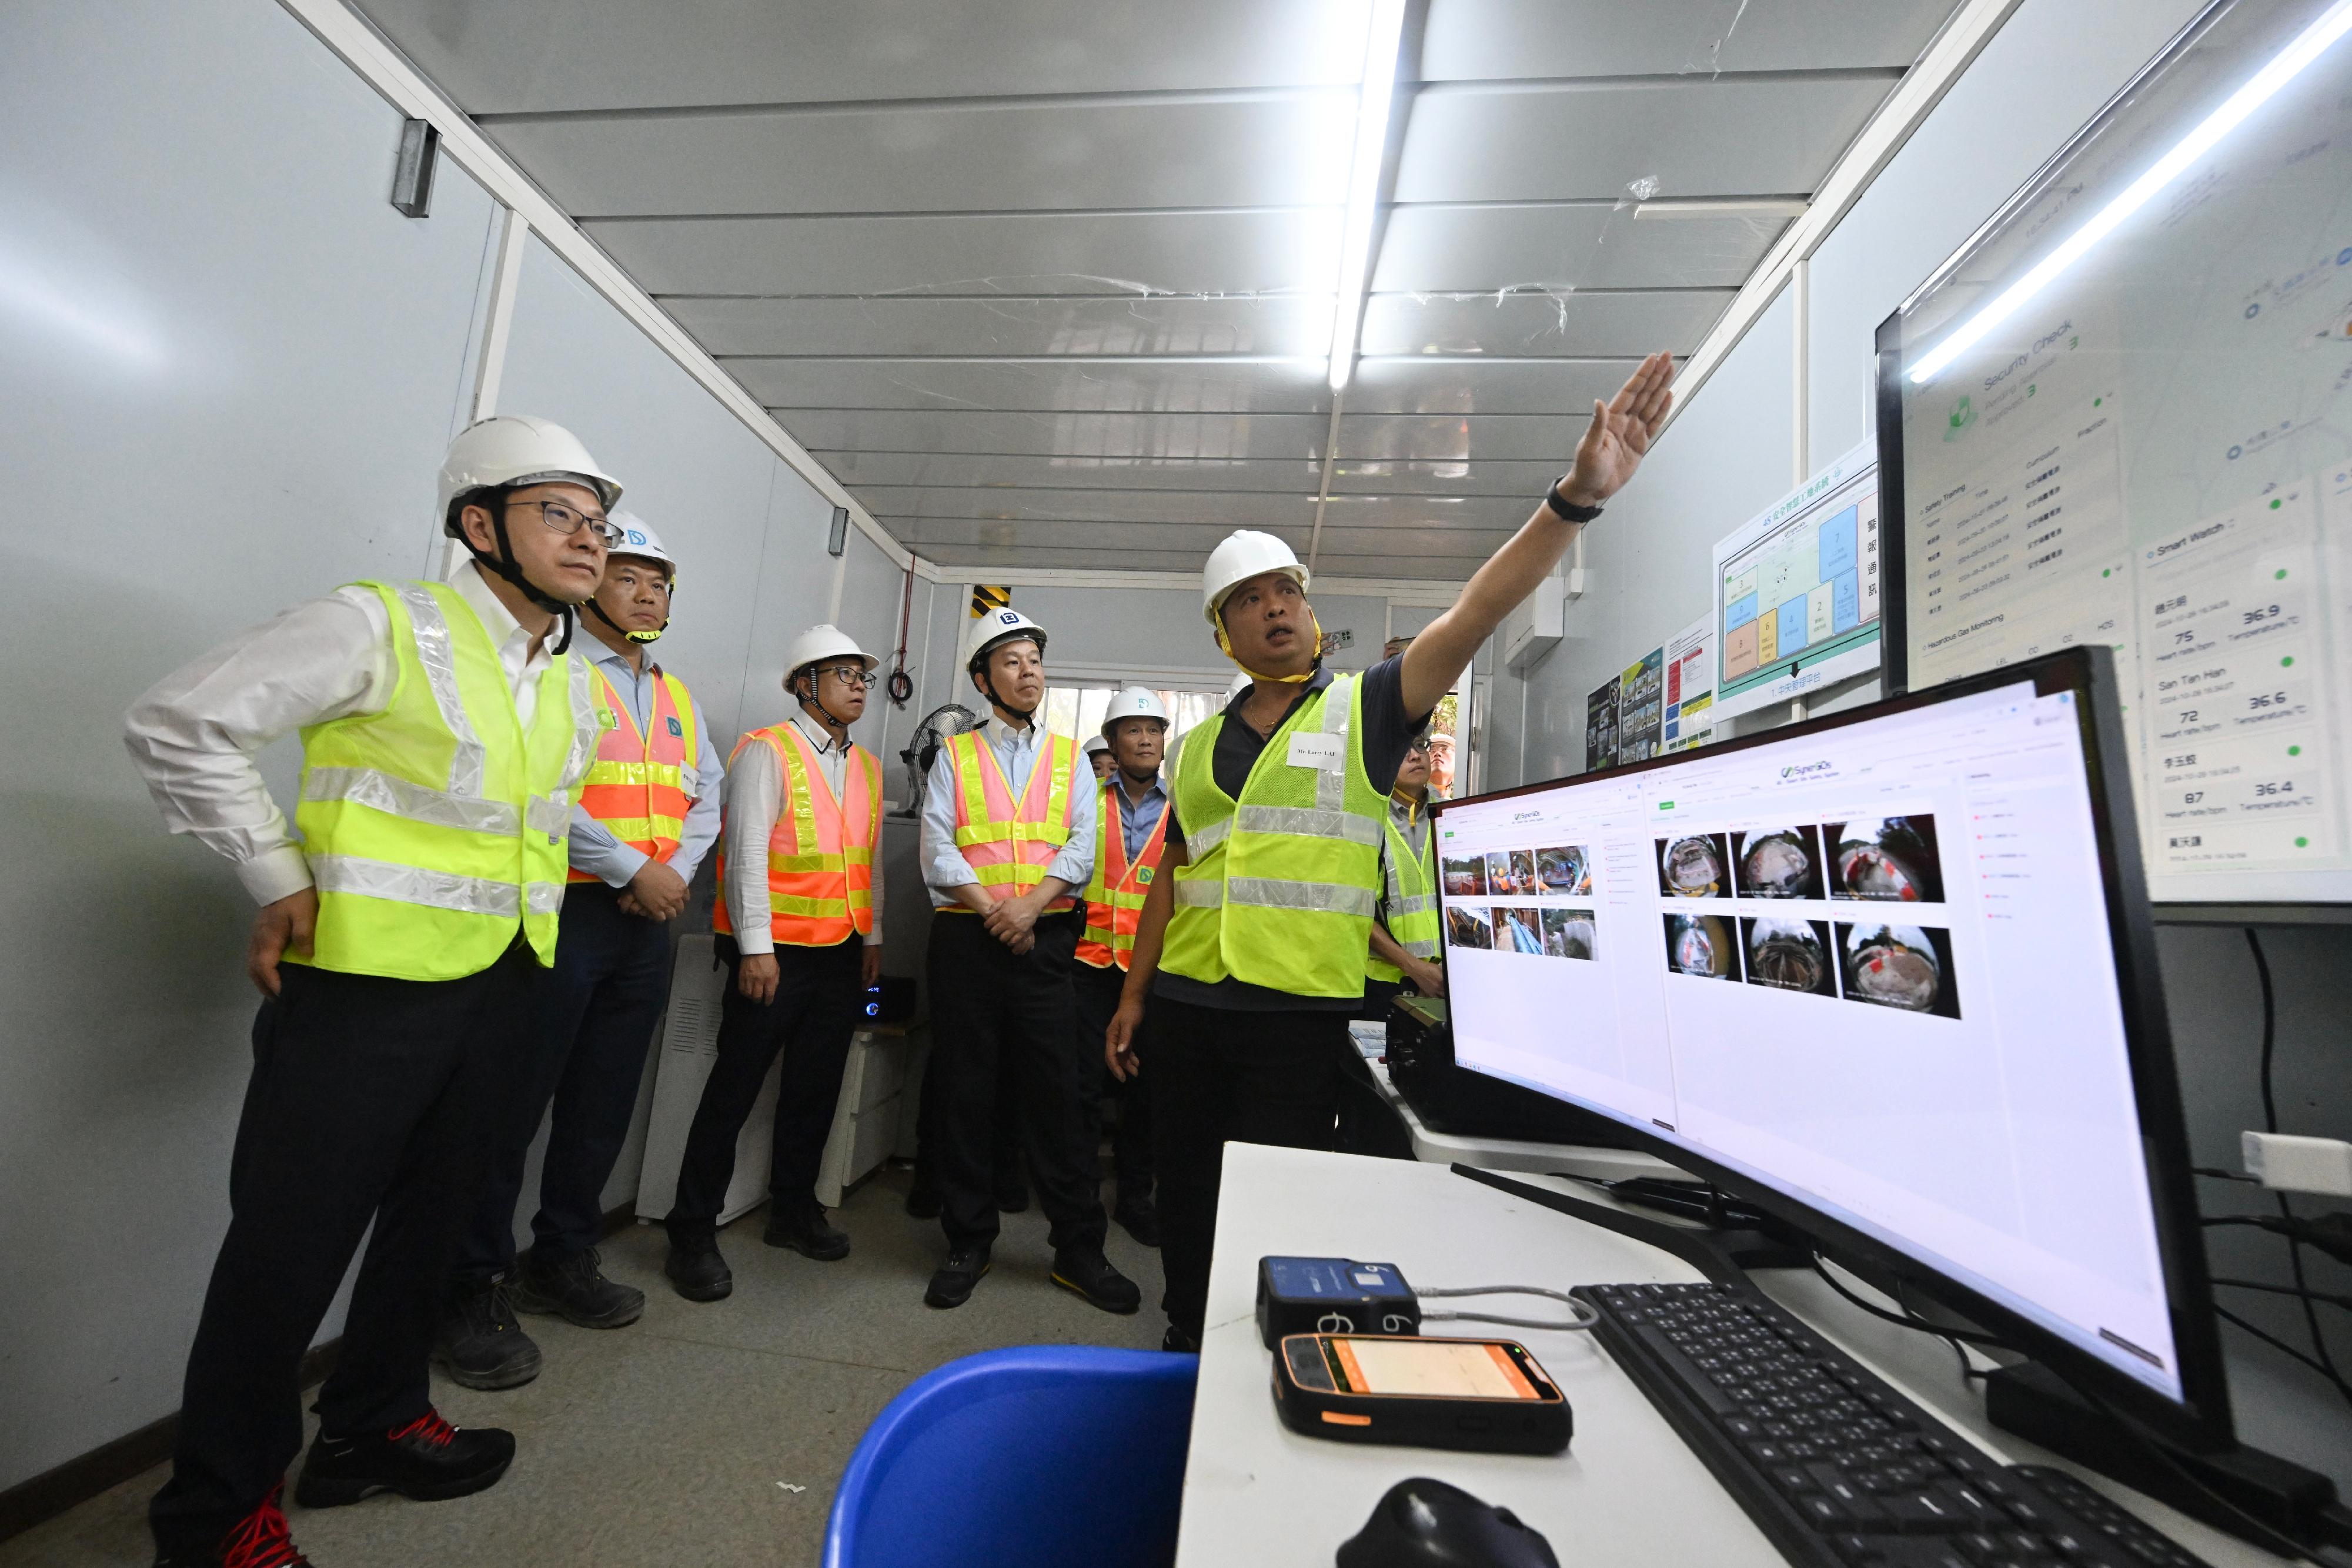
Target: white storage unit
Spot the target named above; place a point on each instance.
(877, 1091)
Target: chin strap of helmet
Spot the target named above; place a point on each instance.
(593, 608)
(504, 566)
(813, 704)
(988, 683)
(1314, 629)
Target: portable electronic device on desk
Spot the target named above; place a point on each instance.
(1889, 976)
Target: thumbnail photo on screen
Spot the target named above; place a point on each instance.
(1511, 874)
(1904, 966)
(1517, 930)
(1568, 933)
(1466, 875)
(1468, 927)
(1777, 862)
(1565, 870)
(1695, 866)
(1788, 954)
(1704, 947)
(1884, 858)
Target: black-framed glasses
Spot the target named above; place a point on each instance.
(1420, 746)
(851, 674)
(569, 521)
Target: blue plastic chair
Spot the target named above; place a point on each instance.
(1041, 1454)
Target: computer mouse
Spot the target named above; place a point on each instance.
(1426, 1523)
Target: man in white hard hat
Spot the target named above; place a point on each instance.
(1098, 757)
(647, 812)
(1252, 952)
(1008, 836)
(800, 929)
(1131, 830)
(444, 731)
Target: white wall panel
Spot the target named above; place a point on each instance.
(230, 369)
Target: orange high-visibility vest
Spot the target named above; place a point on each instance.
(637, 786)
(820, 851)
(1115, 895)
(1009, 843)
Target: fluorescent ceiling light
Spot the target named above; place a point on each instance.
(2288, 64)
(1381, 40)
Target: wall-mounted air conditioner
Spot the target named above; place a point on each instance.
(1534, 629)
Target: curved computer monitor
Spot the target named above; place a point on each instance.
(1889, 975)
(2114, 416)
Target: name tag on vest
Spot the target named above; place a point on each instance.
(1313, 748)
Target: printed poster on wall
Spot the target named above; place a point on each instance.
(1601, 726)
(1640, 710)
(1689, 716)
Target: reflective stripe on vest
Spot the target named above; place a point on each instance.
(436, 827)
(1114, 894)
(1409, 909)
(820, 851)
(636, 786)
(1281, 886)
(1009, 843)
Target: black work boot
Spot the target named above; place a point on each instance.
(1085, 1271)
(696, 1270)
(571, 1286)
(804, 1230)
(480, 1345)
(1139, 1218)
(258, 1541)
(952, 1285)
(428, 1459)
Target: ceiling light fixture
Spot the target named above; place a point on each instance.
(2284, 68)
(1383, 37)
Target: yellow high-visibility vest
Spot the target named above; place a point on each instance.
(1409, 906)
(436, 827)
(1281, 884)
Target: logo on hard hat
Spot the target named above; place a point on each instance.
(636, 538)
(1007, 617)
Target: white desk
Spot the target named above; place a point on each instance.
(1627, 1492)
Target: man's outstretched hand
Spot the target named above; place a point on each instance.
(1619, 434)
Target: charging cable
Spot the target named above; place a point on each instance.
(1582, 1317)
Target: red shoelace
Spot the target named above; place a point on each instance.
(262, 1540)
(429, 1427)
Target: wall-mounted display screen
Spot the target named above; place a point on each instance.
(2120, 415)
(1797, 589)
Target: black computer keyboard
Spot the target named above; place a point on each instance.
(1831, 1463)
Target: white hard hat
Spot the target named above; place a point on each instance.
(1000, 626)
(1244, 554)
(1096, 745)
(638, 538)
(1133, 702)
(822, 643)
(517, 449)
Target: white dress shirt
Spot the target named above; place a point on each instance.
(593, 848)
(755, 798)
(1016, 752)
(194, 733)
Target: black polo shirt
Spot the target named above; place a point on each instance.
(1388, 732)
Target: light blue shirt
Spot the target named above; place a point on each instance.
(593, 848)
(1016, 752)
(1137, 818)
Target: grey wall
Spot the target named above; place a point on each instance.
(1731, 453)
(230, 369)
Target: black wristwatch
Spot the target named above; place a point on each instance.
(1564, 510)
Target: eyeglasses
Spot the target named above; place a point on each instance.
(1421, 746)
(569, 521)
(851, 674)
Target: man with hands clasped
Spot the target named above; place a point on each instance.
(1254, 942)
(1008, 836)
(647, 812)
(799, 924)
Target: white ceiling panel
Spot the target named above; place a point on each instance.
(1174, 436)
(975, 560)
(1467, 250)
(498, 56)
(1499, 39)
(1230, 385)
(1697, 137)
(1399, 544)
(1188, 151)
(1091, 253)
(1233, 509)
(1562, 322)
(1424, 384)
(1525, 480)
(979, 475)
(1061, 324)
